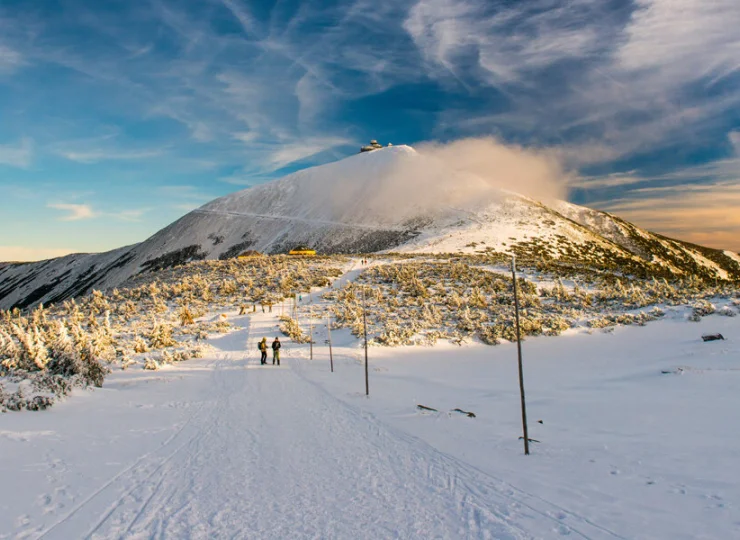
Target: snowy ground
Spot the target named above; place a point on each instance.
(224, 448)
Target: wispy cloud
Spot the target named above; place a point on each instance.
(134, 215)
(608, 181)
(18, 155)
(96, 156)
(75, 212)
(10, 60)
(507, 41)
(676, 41)
(636, 76)
(226, 90)
(290, 153)
(702, 214)
(188, 195)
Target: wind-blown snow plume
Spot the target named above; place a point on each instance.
(536, 173)
(464, 174)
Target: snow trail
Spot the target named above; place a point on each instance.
(271, 455)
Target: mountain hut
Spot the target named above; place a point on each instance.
(302, 251)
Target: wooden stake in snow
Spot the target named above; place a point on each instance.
(519, 350)
(364, 324)
(328, 331)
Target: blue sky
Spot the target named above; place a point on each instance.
(117, 117)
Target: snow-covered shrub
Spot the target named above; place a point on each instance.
(292, 329)
(727, 311)
(600, 322)
(161, 336)
(151, 364)
(554, 325)
(140, 346)
(186, 316)
(700, 309)
(490, 334)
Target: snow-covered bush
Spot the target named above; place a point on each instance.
(151, 364)
(186, 316)
(700, 309)
(727, 311)
(161, 336)
(292, 329)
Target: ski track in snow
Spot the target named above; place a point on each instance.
(271, 455)
(270, 452)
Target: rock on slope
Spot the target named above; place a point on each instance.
(388, 199)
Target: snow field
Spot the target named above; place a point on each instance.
(222, 447)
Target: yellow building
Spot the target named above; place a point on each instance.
(302, 251)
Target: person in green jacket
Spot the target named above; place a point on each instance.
(276, 351)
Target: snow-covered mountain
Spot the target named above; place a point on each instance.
(388, 199)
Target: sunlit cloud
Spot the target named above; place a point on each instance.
(75, 212)
(24, 253)
(703, 214)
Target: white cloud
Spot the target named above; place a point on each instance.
(683, 40)
(10, 59)
(608, 181)
(26, 254)
(190, 195)
(244, 181)
(734, 137)
(17, 155)
(507, 42)
(285, 154)
(95, 156)
(626, 76)
(76, 212)
(130, 215)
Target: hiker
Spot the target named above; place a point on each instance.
(276, 351)
(263, 349)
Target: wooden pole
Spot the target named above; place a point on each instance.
(328, 330)
(519, 350)
(310, 333)
(364, 324)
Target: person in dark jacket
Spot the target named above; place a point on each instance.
(276, 351)
(263, 349)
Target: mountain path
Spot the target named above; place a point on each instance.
(271, 455)
(266, 452)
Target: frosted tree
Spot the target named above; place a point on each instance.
(65, 360)
(9, 351)
(33, 354)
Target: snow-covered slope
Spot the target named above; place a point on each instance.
(389, 199)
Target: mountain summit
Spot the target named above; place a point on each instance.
(393, 198)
